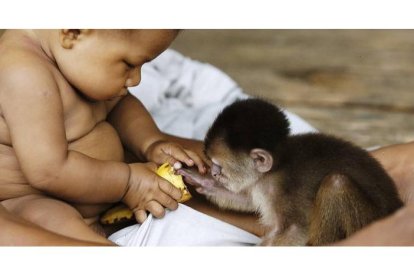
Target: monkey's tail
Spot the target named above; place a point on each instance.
(340, 209)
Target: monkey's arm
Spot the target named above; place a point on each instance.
(223, 198)
(246, 221)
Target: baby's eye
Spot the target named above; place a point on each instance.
(130, 65)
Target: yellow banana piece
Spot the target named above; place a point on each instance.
(121, 212)
(167, 172)
(117, 214)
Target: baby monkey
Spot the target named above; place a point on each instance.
(309, 189)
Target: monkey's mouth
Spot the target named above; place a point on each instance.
(221, 181)
(217, 178)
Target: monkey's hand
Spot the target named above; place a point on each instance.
(215, 192)
(203, 184)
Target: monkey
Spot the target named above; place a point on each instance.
(308, 189)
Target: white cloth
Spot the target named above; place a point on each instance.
(184, 96)
(183, 227)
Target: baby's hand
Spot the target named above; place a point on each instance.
(163, 151)
(147, 191)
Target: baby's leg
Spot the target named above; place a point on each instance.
(53, 215)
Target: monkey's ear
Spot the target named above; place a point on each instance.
(263, 160)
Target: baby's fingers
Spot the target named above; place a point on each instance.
(168, 188)
(140, 216)
(155, 209)
(176, 155)
(166, 201)
(197, 161)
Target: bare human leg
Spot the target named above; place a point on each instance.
(53, 215)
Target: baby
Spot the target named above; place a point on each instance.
(65, 119)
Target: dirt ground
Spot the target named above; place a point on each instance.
(356, 84)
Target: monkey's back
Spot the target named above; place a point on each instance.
(307, 159)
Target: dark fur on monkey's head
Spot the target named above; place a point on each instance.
(248, 124)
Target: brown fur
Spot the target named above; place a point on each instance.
(340, 210)
(317, 189)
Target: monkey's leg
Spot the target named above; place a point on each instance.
(340, 209)
(292, 235)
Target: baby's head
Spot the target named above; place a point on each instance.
(101, 64)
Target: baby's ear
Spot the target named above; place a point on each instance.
(68, 37)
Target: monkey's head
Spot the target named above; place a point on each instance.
(243, 142)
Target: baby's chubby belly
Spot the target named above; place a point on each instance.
(102, 143)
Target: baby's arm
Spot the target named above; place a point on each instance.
(140, 134)
(32, 107)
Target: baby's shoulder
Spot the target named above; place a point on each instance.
(22, 60)
(22, 68)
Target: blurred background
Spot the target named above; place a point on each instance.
(356, 84)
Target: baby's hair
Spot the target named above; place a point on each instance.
(124, 32)
(118, 32)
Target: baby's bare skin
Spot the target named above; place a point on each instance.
(86, 128)
(66, 117)
(44, 120)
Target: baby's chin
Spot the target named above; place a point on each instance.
(123, 93)
(115, 98)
